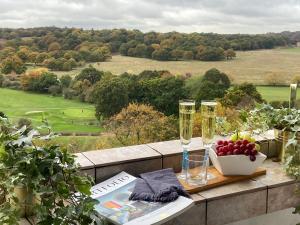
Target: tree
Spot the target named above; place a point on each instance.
(177, 54)
(215, 76)
(188, 55)
(242, 96)
(91, 74)
(230, 54)
(13, 64)
(40, 58)
(23, 54)
(54, 46)
(212, 85)
(39, 82)
(141, 50)
(163, 93)
(111, 95)
(139, 124)
(211, 54)
(65, 81)
(161, 54)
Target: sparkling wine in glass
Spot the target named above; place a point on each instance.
(186, 120)
(208, 115)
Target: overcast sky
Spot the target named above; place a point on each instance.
(219, 16)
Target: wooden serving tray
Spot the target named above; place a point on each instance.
(219, 180)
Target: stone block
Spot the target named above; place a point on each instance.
(89, 172)
(134, 168)
(236, 188)
(238, 207)
(283, 197)
(196, 215)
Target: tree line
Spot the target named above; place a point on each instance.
(141, 108)
(66, 48)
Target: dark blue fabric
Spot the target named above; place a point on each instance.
(158, 186)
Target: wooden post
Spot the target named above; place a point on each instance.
(293, 95)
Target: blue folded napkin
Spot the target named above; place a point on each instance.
(158, 186)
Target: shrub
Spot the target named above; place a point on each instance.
(2, 115)
(275, 79)
(24, 122)
(11, 84)
(1, 80)
(296, 79)
(69, 93)
(279, 104)
(54, 90)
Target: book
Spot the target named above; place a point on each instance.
(114, 204)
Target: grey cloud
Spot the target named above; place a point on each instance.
(220, 16)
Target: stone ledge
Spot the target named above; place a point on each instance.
(108, 157)
(264, 194)
(237, 188)
(170, 148)
(83, 161)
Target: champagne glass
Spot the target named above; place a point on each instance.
(186, 120)
(208, 115)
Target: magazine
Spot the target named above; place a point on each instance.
(113, 195)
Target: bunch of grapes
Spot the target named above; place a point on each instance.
(239, 147)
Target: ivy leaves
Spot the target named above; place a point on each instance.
(62, 195)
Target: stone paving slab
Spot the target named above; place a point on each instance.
(236, 188)
(83, 161)
(116, 156)
(167, 148)
(275, 175)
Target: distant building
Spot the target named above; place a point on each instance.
(298, 44)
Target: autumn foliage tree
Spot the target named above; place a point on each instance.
(140, 123)
(13, 64)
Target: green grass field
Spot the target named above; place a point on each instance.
(61, 114)
(270, 93)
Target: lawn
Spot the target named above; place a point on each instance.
(271, 93)
(61, 114)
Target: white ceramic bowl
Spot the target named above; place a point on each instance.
(236, 164)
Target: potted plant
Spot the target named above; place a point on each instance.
(286, 125)
(44, 181)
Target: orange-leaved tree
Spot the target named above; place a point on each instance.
(140, 123)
